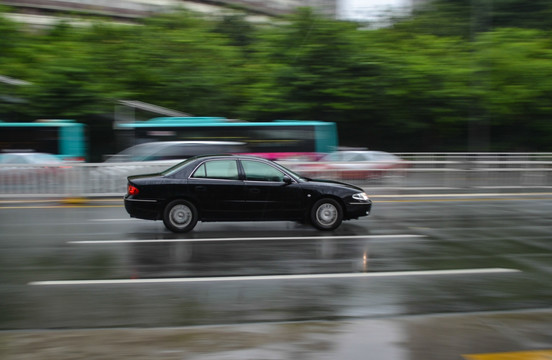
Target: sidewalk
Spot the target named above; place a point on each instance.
(432, 337)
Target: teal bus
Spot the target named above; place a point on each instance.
(275, 140)
(63, 138)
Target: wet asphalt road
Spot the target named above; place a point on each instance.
(428, 264)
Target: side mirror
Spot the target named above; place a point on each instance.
(287, 180)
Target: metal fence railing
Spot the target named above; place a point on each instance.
(444, 172)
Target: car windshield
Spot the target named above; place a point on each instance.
(45, 158)
(300, 178)
(135, 153)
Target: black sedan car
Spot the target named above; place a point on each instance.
(240, 188)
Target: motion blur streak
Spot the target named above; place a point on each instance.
(519, 355)
(278, 277)
(249, 239)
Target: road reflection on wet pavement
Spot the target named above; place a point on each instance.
(421, 278)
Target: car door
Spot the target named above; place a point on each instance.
(268, 195)
(218, 189)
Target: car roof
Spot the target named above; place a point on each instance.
(358, 151)
(24, 153)
(156, 145)
(191, 142)
(234, 156)
(167, 150)
(365, 152)
(351, 155)
(28, 156)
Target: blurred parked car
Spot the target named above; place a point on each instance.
(27, 167)
(354, 164)
(31, 158)
(176, 150)
(152, 157)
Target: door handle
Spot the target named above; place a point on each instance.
(200, 189)
(255, 191)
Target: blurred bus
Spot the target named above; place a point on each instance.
(274, 140)
(63, 138)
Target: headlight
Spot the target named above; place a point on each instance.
(360, 196)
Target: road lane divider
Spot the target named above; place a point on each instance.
(277, 277)
(115, 220)
(275, 238)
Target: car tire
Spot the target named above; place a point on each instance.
(326, 214)
(180, 216)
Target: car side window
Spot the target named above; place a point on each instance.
(217, 169)
(333, 157)
(359, 157)
(8, 160)
(179, 151)
(259, 171)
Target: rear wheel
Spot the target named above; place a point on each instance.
(180, 216)
(327, 214)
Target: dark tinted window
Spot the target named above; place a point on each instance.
(217, 169)
(39, 139)
(259, 171)
(258, 139)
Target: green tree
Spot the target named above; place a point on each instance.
(467, 18)
(66, 80)
(516, 87)
(427, 83)
(177, 61)
(237, 29)
(311, 69)
(426, 92)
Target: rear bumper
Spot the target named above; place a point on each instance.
(143, 209)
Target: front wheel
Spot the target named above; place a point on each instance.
(180, 216)
(327, 214)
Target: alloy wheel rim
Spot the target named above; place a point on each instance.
(180, 215)
(326, 214)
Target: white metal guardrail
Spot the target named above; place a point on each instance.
(71, 180)
(109, 179)
(473, 156)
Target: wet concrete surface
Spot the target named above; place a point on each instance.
(433, 337)
(266, 291)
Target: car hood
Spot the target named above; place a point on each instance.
(333, 183)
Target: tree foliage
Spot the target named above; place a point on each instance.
(424, 84)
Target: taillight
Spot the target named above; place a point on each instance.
(74, 159)
(132, 190)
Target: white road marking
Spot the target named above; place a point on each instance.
(113, 220)
(281, 238)
(277, 277)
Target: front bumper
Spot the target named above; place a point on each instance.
(356, 209)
